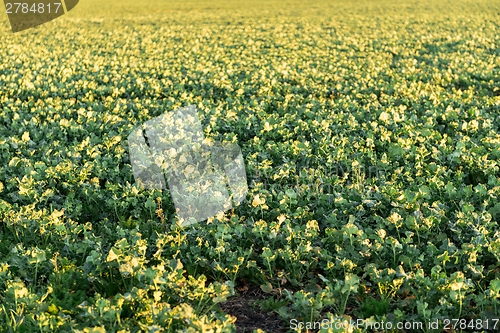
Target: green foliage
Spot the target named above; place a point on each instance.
(370, 132)
(374, 307)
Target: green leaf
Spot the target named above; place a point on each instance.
(495, 285)
(291, 194)
(266, 287)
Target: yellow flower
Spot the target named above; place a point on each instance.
(257, 201)
(26, 136)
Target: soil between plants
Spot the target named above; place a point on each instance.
(249, 316)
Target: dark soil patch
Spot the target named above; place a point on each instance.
(249, 316)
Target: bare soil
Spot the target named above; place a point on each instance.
(249, 316)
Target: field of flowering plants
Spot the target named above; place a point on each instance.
(370, 132)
